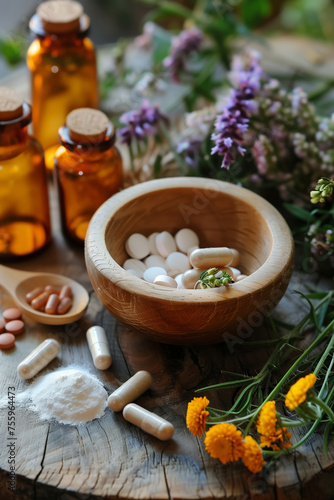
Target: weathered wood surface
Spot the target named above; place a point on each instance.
(110, 458)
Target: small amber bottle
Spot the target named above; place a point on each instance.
(62, 63)
(88, 168)
(24, 206)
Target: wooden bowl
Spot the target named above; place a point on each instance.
(222, 214)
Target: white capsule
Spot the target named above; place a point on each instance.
(190, 278)
(148, 422)
(165, 243)
(178, 261)
(152, 272)
(234, 271)
(130, 390)
(214, 257)
(135, 264)
(151, 244)
(155, 261)
(99, 347)
(38, 359)
(185, 239)
(137, 246)
(165, 281)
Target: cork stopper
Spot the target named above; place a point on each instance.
(60, 16)
(87, 125)
(10, 104)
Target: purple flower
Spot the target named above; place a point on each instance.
(188, 41)
(141, 123)
(232, 123)
(190, 149)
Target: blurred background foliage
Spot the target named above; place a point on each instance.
(113, 19)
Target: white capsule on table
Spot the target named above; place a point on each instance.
(99, 347)
(185, 239)
(137, 246)
(167, 281)
(148, 422)
(135, 264)
(205, 258)
(155, 261)
(190, 278)
(38, 359)
(130, 390)
(165, 243)
(178, 280)
(152, 272)
(151, 244)
(178, 261)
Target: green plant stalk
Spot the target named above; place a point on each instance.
(323, 357)
(182, 164)
(290, 371)
(323, 406)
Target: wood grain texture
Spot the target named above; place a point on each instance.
(222, 215)
(109, 458)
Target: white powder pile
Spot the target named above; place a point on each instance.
(69, 395)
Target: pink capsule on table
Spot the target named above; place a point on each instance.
(33, 294)
(52, 289)
(40, 301)
(52, 304)
(64, 305)
(66, 291)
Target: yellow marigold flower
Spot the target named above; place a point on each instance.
(196, 415)
(272, 436)
(298, 391)
(266, 423)
(252, 456)
(279, 440)
(224, 441)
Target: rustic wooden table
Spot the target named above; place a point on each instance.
(109, 458)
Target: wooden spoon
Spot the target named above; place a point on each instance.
(19, 283)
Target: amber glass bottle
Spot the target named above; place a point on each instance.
(24, 207)
(63, 69)
(88, 168)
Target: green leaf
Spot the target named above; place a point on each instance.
(157, 165)
(12, 50)
(161, 44)
(254, 11)
(298, 212)
(327, 432)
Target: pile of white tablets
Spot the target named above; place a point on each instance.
(176, 261)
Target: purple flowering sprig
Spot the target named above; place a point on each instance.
(232, 124)
(141, 123)
(187, 42)
(148, 121)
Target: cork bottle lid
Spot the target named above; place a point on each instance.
(60, 16)
(10, 104)
(87, 125)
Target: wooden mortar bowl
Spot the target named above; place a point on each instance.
(222, 214)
